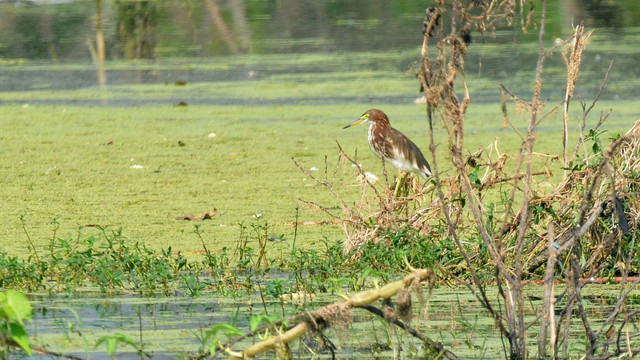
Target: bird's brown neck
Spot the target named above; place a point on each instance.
(379, 126)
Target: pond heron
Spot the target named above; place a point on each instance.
(393, 146)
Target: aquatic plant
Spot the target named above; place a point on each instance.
(109, 262)
(14, 310)
(112, 341)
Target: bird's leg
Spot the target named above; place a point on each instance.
(402, 176)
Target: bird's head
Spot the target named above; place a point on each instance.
(372, 116)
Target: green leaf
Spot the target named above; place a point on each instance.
(228, 330)
(121, 338)
(3, 308)
(340, 280)
(373, 272)
(254, 322)
(213, 347)
(19, 335)
(20, 304)
(14, 307)
(111, 344)
(474, 177)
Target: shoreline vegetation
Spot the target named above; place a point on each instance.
(551, 201)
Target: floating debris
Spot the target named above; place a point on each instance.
(370, 177)
(276, 238)
(201, 216)
(299, 296)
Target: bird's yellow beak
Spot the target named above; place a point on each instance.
(364, 117)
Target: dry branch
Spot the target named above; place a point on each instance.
(570, 218)
(530, 231)
(317, 320)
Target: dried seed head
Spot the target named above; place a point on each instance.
(389, 314)
(403, 305)
(337, 316)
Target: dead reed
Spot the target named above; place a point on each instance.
(583, 230)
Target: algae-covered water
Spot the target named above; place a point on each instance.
(178, 135)
(140, 155)
(194, 130)
(174, 327)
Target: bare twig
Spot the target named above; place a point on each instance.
(413, 332)
(547, 323)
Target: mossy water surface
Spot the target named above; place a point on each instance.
(128, 156)
(174, 327)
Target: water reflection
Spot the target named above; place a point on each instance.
(161, 32)
(165, 327)
(168, 327)
(64, 30)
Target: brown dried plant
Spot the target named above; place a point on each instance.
(338, 315)
(572, 234)
(573, 60)
(364, 221)
(585, 217)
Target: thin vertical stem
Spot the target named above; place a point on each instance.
(547, 322)
(529, 140)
